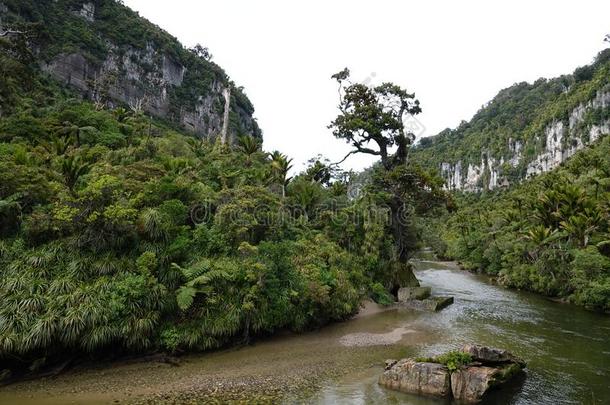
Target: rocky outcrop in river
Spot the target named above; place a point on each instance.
(419, 298)
(483, 369)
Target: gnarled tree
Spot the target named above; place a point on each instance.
(372, 121)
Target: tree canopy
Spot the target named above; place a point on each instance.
(372, 118)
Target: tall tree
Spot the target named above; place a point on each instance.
(372, 121)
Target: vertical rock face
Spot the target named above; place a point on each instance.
(173, 72)
(559, 139)
(414, 377)
(225, 122)
(469, 384)
(129, 76)
(88, 12)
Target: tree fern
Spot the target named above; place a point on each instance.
(186, 296)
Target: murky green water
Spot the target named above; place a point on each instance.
(567, 349)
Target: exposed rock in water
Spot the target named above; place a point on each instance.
(419, 298)
(417, 293)
(489, 355)
(488, 369)
(421, 378)
(470, 384)
(428, 304)
(441, 302)
(389, 363)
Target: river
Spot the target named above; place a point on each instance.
(567, 350)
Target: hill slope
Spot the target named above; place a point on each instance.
(527, 129)
(538, 158)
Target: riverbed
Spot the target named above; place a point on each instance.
(566, 347)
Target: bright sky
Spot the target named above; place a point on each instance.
(454, 55)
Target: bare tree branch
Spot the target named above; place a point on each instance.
(359, 149)
(11, 32)
(344, 159)
(138, 104)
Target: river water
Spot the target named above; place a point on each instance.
(567, 350)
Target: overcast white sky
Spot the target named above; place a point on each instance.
(454, 55)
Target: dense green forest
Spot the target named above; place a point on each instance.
(120, 234)
(115, 233)
(550, 235)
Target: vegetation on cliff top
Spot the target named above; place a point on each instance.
(55, 27)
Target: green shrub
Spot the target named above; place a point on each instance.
(380, 295)
(453, 359)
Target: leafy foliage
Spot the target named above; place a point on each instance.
(120, 235)
(371, 121)
(453, 359)
(549, 235)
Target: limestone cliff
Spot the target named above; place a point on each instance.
(560, 141)
(112, 56)
(526, 130)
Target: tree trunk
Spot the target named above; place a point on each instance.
(402, 271)
(225, 124)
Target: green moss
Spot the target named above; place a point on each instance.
(505, 373)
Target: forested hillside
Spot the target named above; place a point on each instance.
(527, 129)
(116, 235)
(535, 212)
